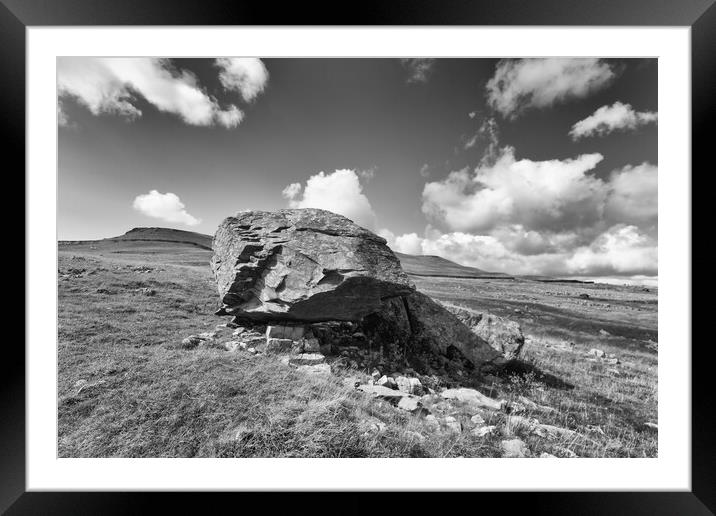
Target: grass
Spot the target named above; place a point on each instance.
(127, 389)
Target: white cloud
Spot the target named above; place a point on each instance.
(292, 191)
(425, 170)
(62, 119)
(554, 194)
(111, 85)
(340, 192)
(368, 173)
(409, 243)
(419, 69)
(231, 117)
(606, 119)
(621, 250)
(472, 114)
(248, 76)
(166, 206)
(633, 198)
(519, 84)
(551, 217)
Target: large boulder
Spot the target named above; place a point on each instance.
(303, 265)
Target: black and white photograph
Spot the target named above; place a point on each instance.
(357, 257)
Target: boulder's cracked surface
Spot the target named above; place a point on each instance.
(303, 265)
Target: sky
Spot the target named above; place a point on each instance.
(523, 166)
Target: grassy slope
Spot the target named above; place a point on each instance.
(144, 396)
(437, 266)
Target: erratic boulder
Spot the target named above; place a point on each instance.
(303, 265)
(322, 282)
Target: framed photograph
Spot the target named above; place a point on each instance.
(424, 248)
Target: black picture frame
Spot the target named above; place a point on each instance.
(700, 15)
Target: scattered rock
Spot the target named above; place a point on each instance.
(583, 296)
(478, 420)
(514, 448)
(598, 353)
(545, 455)
(473, 398)
(232, 345)
(191, 342)
(146, 291)
(482, 431)
(409, 385)
(383, 392)
(452, 425)
(409, 404)
(387, 381)
(307, 359)
(651, 425)
(604, 333)
(502, 334)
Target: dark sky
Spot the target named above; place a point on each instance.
(386, 119)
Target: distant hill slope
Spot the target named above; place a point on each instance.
(167, 235)
(437, 266)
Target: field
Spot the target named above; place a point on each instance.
(126, 388)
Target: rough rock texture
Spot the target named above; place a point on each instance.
(501, 334)
(302, 265)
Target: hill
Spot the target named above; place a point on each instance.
(435, 266)
(167, 235)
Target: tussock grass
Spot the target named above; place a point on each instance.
(127, 389)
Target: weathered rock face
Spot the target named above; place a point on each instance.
(415, 324)
(303, 265)
(501, 334)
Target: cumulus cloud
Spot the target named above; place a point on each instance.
(620, 250)
(292, 191)
(520, 84)
(340, 192)
(633, 195)
(617, 117)
(553, 217)
(425, 170)
(164, 206)
(419, 69)
(248, 76)
(113, 85)
(553, 194)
